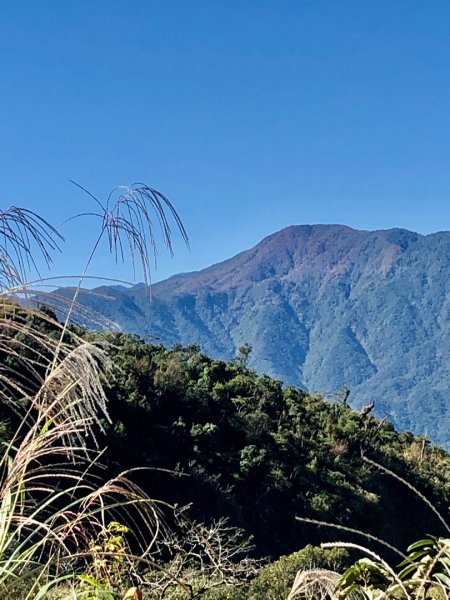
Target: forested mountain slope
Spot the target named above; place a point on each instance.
(323, 307)
(239, 445)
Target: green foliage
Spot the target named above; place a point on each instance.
(109, 553)
(373, 319)
(226, 593)
(424, 574)
(275, 580)
(216, 435)
(245, 447)
(242, 446)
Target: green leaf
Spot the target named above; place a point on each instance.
(407, 571)
(443, 579)
(419, 554)
(430, 542)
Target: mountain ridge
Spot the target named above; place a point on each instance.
(324, 307)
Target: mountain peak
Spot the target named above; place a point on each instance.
(323, 307)
(299, 251)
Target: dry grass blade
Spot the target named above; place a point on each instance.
(40, 295)
(409, 486)
(53, 510)
(54, 376)
(75, 384)
(315, 584)
(128, 223)
(368, 536)
(81, 315)
(22, 232)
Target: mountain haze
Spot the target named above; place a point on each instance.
(324, 307)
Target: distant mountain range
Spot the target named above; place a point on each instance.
(324, 307)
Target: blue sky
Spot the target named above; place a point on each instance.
(250, 115)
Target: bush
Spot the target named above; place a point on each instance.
(275, 581)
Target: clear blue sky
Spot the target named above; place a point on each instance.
(250, 115)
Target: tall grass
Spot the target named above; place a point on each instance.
(58, 521)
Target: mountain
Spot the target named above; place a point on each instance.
(324, 307)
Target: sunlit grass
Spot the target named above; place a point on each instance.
(54, 508)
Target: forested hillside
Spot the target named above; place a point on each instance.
(323, 307)
(246, 447)
(208, 440)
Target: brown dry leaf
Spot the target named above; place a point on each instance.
(133, 594)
